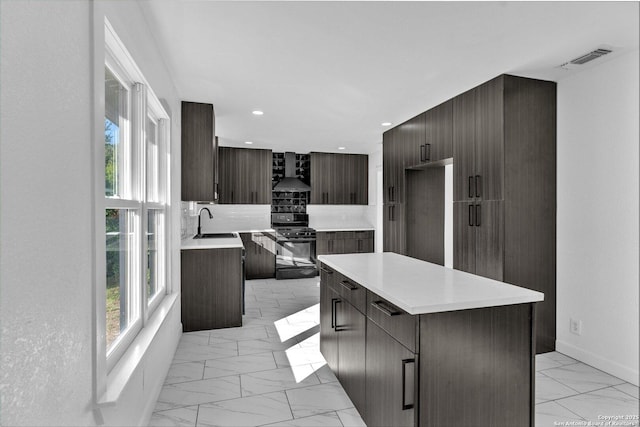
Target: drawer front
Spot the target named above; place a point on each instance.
(352, 292)
(329, 276)
(399, 324)
(363, 234)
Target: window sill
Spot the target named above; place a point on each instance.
(119, 376)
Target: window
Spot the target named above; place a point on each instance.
(135, 203)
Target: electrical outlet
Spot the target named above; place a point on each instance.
(575, 326)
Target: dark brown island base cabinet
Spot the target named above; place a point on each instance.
(339, 179)
(245, 176)
(501, 139)
(199, 152)
(211, 288)
(260, 255)
(461, 368)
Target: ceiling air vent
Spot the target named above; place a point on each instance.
(581, 60)
(590, 56)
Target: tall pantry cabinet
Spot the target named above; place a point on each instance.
(504, 188)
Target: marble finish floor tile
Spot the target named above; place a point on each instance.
(552, 360)
(351, 418)
(630, 389)
(246, 411)
(601, 403)
(549, 389)
(197, 392)
(189, 352)
(551, 414)
(330, 419)
(582, 378)
(264, 345)
(186, 371)
(318, 399)
(277, 380)
(217, 368)
(185, 416)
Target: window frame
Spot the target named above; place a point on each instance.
(142, 102)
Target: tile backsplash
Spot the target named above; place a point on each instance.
(225, 218)
(341, 216)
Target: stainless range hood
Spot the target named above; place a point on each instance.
(290, 182)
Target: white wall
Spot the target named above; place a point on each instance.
(46, 213)
(597, 220)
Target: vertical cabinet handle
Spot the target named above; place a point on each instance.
(470, 215)
(422, 153)
(408, 386)
(231, 197)
(470, 187)
(427, 155)
(334, 313)
(478, 184)
(477, 215)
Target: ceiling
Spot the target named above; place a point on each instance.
(327, 74)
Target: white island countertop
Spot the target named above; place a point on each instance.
(420, 287)
(216, 243)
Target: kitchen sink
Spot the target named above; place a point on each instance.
(215, 236)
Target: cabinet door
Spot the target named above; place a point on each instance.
(489, 152)
(260, 165)
(328, 336)
(489, 229)
(391, 381)
(319, 178)
(351, 327)
(412, 140)
(211, 288)
(464, 146)
(464, 237)
(226, 175)
(439, 132)
(390, 162)
(198, 152)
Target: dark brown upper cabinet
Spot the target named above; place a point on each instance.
(199, 152)
(245, 176)
(478, 142)
(339, 179)
(438, 133)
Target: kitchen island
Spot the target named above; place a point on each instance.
(418, 344)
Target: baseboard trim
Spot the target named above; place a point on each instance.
(598, 362)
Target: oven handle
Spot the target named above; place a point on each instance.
(295, 241)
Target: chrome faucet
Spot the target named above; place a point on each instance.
(199, 216)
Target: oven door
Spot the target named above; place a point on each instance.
(296, 258)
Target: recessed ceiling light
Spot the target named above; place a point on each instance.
(342, 148)
(386, 124)
(257, 112)
(248, 142)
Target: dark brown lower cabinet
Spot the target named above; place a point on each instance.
(328, 334)
(344, 242)
(390, 381)
(343, 333)
(477, 367)
(351, 327)
(211, 288)
(260, 261)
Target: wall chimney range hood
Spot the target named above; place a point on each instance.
(290, 182)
